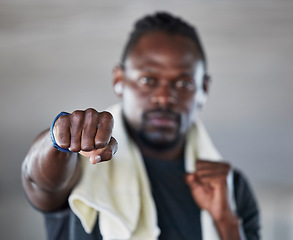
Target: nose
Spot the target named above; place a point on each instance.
(164, 95)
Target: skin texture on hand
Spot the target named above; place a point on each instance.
(87, 132)
(208, 186)
(48, 175)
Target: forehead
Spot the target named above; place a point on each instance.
(164, 50)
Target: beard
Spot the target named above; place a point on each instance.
(157, 145)
(159, 130)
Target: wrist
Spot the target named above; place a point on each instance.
(229, 220)
(229, 227)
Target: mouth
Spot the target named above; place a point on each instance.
(162, 119)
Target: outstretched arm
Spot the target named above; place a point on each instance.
(48, 175)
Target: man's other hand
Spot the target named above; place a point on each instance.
(208, 186)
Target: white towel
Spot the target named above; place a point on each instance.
(119, 190)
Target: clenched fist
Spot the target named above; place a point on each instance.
(88, 132)
(208, 187)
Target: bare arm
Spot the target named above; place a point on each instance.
(208, 186)
(48, 175)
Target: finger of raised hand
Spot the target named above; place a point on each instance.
(90, 124)
(76, 128)
(104, 130)
(61, 131)
(212, 166)
(213, 179)
(195, 184)
(189, 178)
(210, 173)
(102, 154)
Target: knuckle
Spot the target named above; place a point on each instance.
(62, 121)
(106, 116)
(75, 144)
(61, 136)
(107, 155)
(87, 147)
(63, 143)
(77, 116)
(100, 144)
(87, 144)
(74, 148)
(91, 113)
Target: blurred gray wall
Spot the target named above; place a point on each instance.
(58, 55)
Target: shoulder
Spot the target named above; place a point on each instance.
(243, 192)
(242, 188)
(247, 206)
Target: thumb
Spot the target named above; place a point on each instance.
(94, 155)
(95, 158)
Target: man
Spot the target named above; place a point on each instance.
(166, 180)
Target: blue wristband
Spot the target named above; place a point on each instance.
(52, 134)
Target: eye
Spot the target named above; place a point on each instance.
(147, 81)
(187, 84)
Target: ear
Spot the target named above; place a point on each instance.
(206, 83)
(202, 93)
(118, 80)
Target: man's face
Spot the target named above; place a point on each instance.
(159, 88)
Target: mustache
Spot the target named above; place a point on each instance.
(160, 112)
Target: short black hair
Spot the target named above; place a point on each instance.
(164, 22)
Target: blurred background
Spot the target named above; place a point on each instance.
(58, 56)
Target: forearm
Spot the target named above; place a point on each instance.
(48, 174)
(229, 228)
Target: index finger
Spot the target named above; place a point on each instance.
(104, 130)
(102, 154)
(210, 165)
